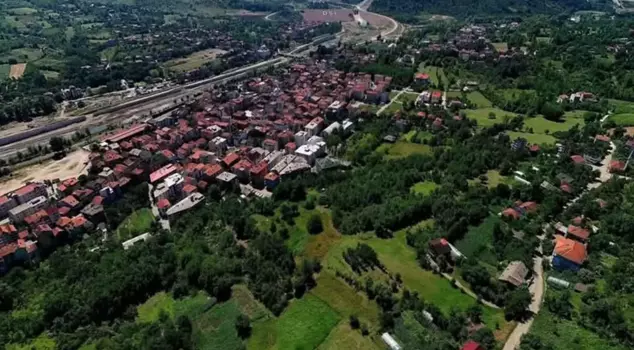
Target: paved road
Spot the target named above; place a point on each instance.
(537, 291)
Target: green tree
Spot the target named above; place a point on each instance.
(517, 304)
(314, 225)
(243, 326)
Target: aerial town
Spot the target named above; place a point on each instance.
(319, 175)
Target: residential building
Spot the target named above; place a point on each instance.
(18, 213)
(515, 273)
(185, 204)
(568, 254)
(30, 191)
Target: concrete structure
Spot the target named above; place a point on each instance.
(30, 191)
(189, 202)
(131, 242)
(18, 213)
(301, 137)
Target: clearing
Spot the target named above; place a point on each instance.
(481, 115)
(478, 242)
(137, 223)
(193, 61)
(494, 178)
(17, 70)
(425, 188)
(541, 125)
(474, 97)
(73, 165)
(540, 139)
(402, 149)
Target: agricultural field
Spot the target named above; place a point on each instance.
(401, 149)
(305, 324)
(137, 223)
(193, 61)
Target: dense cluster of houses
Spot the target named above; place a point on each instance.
(251, 136)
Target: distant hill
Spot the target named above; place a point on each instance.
(465, 8)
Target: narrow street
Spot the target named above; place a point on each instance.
(165, 224)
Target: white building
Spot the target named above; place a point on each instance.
(309, 152)
(301, 137)
(129, 243)
(218, 145)
(314, 127)
(331, 129)
(391, 342)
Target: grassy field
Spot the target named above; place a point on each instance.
(621, 106)
(481, 115)
(475, 97)
(193, 61)
(514, 94)
(425, 188)
(305, 324)
(623, 119)
(137, 223)
(478, 242)
(540, 125)
(494, 178)
(401, 149)
(540, 139)
(215, 329)
(397, 256)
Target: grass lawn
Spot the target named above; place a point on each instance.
(215, 329)
(425, 188)
(501, 46)
(137, 223)
(478, 242)
(623, 119)
(540, 124)
(481, 115)
(493, 179)
(475, 97)
(408, 97)
(621, 106)
(401, 149)
(540, 139)
(193, 61)
(562, 334)
(26, 54)
(317, 246)
(305, 324)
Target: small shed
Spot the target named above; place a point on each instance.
(515, 273)
(391, 342)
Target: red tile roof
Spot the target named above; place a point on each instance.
(163, 203)
(189, 188)
(70, 201)
(578, 159)
(578, 232)
(511, 213)
(163, 172)
(570, 250)
(230, 159)
(25, 189)
(471, 345)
